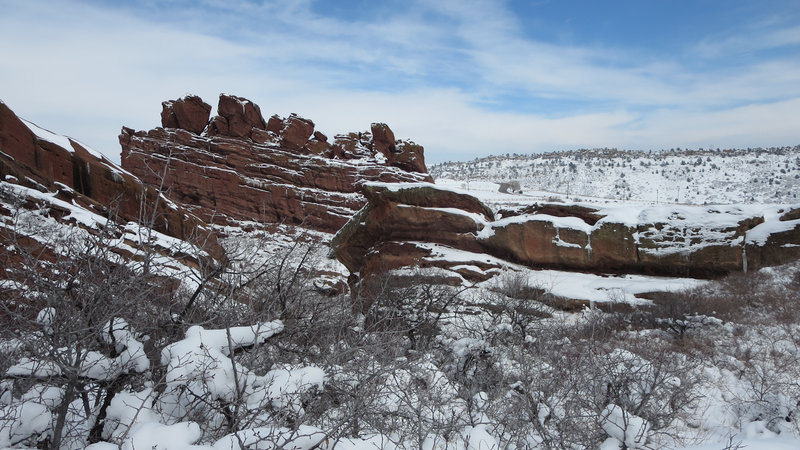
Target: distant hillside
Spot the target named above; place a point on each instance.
(670, 176)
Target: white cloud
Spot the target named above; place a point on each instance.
(506, 58)
(756, 125)
(86, 71)
(760, 36)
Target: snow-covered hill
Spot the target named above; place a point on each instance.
(671, 176)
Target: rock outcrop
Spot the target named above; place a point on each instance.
(236, 168)
(692, 241)
(385, 233)
(80, 187)
(406, 155)
(236, 117)
(405, 225)
(242, 168)
(189, 113)
(49, 162)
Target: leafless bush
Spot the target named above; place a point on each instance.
(80, 329)
(405, 305)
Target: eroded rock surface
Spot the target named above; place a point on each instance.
(246, 169)
(37, 158)
(60, 179)
(402, 225)
(190, 113)
(385, 233)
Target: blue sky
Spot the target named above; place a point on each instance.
(463, 78)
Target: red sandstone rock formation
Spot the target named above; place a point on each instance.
(385, 234)
(402, 226)
(243, 168)
(296, 132)
(383, 138)
(190, 113)
(62, 167)
(237, 117)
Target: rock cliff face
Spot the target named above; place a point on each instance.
(418, 224)
(672, 241)
(392, 231)
(239, 167)
(61, 203)
(56, 165)
(236, 168)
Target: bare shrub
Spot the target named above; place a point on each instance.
(406, 305)
(82, 330)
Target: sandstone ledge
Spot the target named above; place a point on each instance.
(679, 241)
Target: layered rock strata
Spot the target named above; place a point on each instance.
(399, 221)
(401, 225)
(242, 168)
(54, 170)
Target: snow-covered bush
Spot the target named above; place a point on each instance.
(408, 304)
(77, 331)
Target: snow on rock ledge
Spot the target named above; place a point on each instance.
(391, 231)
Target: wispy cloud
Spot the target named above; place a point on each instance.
(764, 35)
(452, 75)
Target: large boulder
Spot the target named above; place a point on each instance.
(383, 139)
(296, 132)
(275, 124)
(400, 215)
(240, 117)
(409, 156)
(189, 113)
(403, 154)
